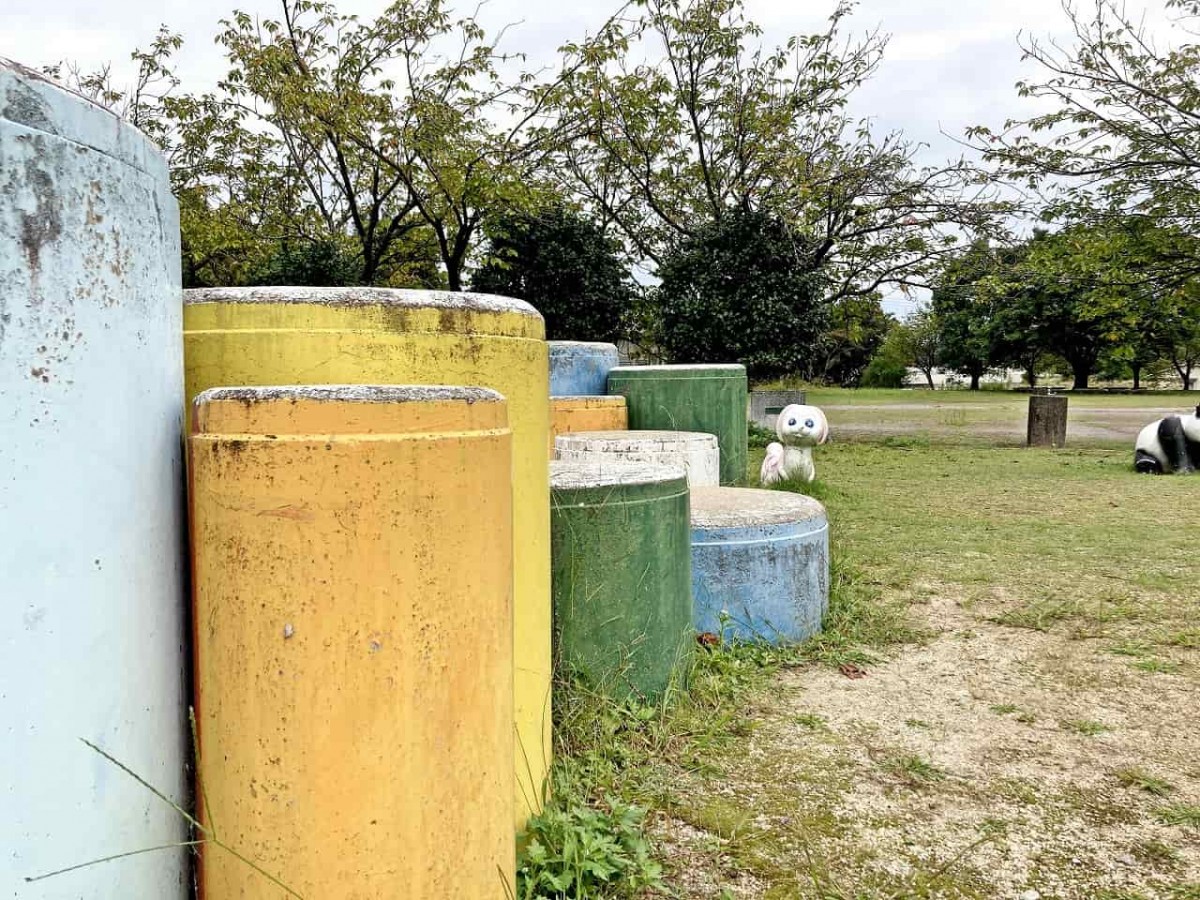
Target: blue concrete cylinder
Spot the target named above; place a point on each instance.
(92, 628)
(760, 564)
(580, 368)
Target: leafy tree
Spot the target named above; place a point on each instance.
(282, 74)
(563, 264)
(917, 341)
(889, 366)
(682, 116)
(1122, 134)
(965, 313)
(738, 291)
(857, 329)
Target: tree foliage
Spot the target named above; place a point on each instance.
(738, 291)
(682, 115)
(565, 266)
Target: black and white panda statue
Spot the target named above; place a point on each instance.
(1169, 446)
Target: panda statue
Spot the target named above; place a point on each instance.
(1170, 445)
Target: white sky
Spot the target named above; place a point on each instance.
(950, 63)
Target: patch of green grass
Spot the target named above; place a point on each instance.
(1004, 709)
(1133, 649)
(1036, 615)
(1086, 727)
(1188, 639)
(1144, 781)
(1185, 814)
(1157, 665)
(912, 769)
(810, 721)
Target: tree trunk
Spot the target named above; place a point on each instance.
(928, 373)
(1031, 376)
(1082, 375)
(974, 381)
(1047, 421)
(1137, 377)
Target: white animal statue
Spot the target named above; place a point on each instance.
(1169, 446)
(800, 428)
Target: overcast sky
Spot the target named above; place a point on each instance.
(950, 63)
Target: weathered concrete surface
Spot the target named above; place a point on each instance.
(354, 671)
(765, 406)
(697, 454)
(580, 368)
(283, 335)
(622, 578)
(91, 527)
(571, 414)
(760, 559)
(707, 398)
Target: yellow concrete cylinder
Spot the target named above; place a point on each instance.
(263, 336)
(570, 414)
(352, 571)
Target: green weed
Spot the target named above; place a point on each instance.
(1185, 814)
(1143, 780)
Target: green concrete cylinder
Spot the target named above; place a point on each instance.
(621, 574)
(709, 398)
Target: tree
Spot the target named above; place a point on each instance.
(682, 116)
(857, 329)
(917, 341)
(1123, 133)
(889, 366)
(965, 313)
(282, 74)
(565, 266)
(738, 291)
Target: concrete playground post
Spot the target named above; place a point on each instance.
(352, 585)
(710, 399)
(760, 564)
(92, 547)
(622, 574)
(571, 414)
(282, 335)
(580, 368)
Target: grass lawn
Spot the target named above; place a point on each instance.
(1029, 722)
(987, 418)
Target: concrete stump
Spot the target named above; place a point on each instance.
(765, 406)
(1047, 421)
(697, 454)
(92, 546)
(571, 414)
(353, 593)
(710, 399)
(580, 368)
(311, 335)
(760, 564)
(622, 576)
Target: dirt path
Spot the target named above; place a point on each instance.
(991, 762)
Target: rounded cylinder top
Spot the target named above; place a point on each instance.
(362, 296)
(33, 101)
(716, 370)
(343, 409)
(571, 476)
(574, 347)
(638, 440)
(727, 507)
(586, 401)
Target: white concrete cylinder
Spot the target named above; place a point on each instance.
(92, 630)
(696, 452)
